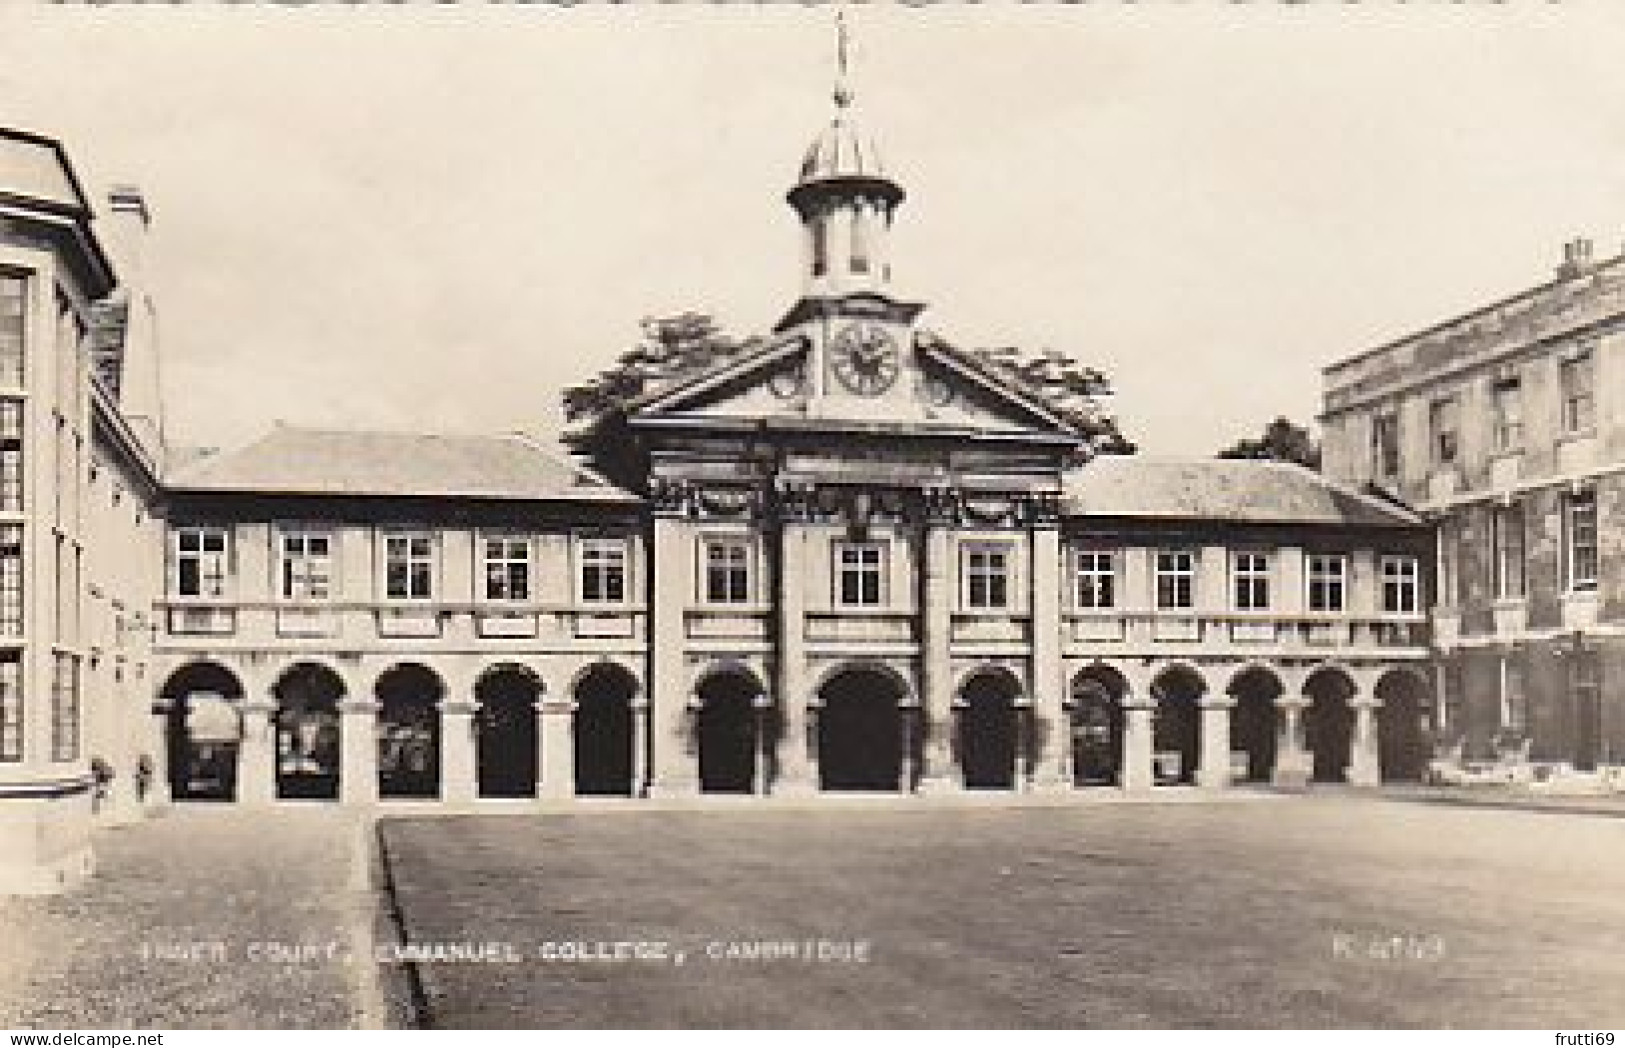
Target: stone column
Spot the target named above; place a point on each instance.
(1213, 772)
(256, 756)
(1048, 714)
(761, 708)
(910, 724)
(1365, 767)
(1294, 764)
(640, 749)
(358, 748)
(938, 772)
(1136, 775)
(158, 789)
(674, 770)
(555, 739)
(459, 762)
(796, 773)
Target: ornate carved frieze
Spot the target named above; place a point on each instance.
(671, 496)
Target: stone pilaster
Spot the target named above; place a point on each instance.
(1048, 717)
(158, 787)
(675, 774)
(256, 756)
(938, 772)
(640, 749)
(459, 762)
(1136, 774)
(1213, 770)
(358, 749)
(1364, 765)
(555, 740)
(1294, 764)
(796, 773)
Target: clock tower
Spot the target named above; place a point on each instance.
(860, 335)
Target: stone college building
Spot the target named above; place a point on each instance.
(846, 555)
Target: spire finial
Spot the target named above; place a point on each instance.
(843, 88)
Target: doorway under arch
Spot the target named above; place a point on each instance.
(603, 731)
(1176, 725)
(1096, 720)
(1404, 731)
(202, 732)
(1328, 723)
(860, 732)
(307, 732)
(506, 735)
(409, 697)
(1254, 725)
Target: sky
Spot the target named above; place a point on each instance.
(435, 218)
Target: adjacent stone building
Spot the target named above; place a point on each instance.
(1506, 428)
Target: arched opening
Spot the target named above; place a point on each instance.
(728, 729)
(1328, 723)
(1253, 723)
(307, 733)
(989, 730)
(603, 731)
(1404, 731)
(202, 732)
(1097, 726)
(860, 732)
(506, 736)
(409, 731)
(1176, 725)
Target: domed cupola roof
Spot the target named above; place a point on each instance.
(843, 157)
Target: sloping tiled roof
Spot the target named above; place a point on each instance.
(293, 460)
(1238, 490)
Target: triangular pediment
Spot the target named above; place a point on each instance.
(792, 382)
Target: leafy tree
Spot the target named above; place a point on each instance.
(1282, 441)
(1075, 392)
(672, 349)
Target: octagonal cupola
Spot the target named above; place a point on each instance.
(845, 199)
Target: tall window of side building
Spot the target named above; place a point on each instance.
(11, 456)
(11, 706)
(11, 580)
(65, 720)
(1443, 430)
(1507, 394)
(1580, 540)
(13, 298)
(1385, 445)
(1507, 526)
(1577, 380)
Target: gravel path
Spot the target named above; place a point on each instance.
(191, 922)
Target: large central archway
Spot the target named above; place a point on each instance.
(860, 731)
(1176, 725)
(728, 729)
(409, 731)
(603, 731)
(307, 732)
(989, 730)
(1254, 727)
(202, 732)
(509, 763)
(1097, 726)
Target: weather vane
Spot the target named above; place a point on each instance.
(843, 90)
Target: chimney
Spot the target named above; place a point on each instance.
(139, 387)
(1576, 258)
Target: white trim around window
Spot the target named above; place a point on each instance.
(726, 570)
(200, 561)
(603, 572)
(408, 565)
(507, 568)
(986, 574)
(1401, 585)
(859, 571)
(1326, 582)
(306, 562)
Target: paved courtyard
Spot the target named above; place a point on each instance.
(1330, 911)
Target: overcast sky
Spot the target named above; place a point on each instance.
(434, 219)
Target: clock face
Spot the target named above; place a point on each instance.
(864, 358)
